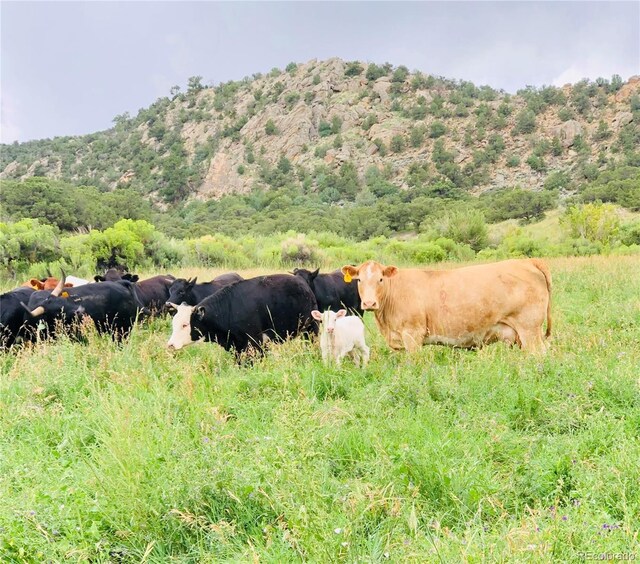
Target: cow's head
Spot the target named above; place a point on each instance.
(53, 304)
(113, 275)
(180, 291)
(130, 277)
(370, 277)
(328, 318)
(183, 332)
(307, 275)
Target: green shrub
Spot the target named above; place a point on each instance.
(300, 250)
(400, 74)
(566, 114)
(382, 149)
(336, 124)
(291, 99)
(26, 241)
(525, 122)
(467, 227)
(437, 129)
(324, 128)
(374, 72)
(558, 180)
(321, 151)
(416, 136)
(353, 68)
(270, 127)
(397, 144)
(369, 121)
(517, 244)
(595, 222)
(513, 161)
(536, 163)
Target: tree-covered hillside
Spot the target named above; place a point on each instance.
(321, 116)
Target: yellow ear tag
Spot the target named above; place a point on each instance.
(65, 294)
(347, 278)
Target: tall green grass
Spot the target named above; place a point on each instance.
(128, 453)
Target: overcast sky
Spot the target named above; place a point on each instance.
(69, 67)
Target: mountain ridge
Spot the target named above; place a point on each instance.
(322, 115)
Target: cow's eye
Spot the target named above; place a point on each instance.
(185, 325)
(380, 281)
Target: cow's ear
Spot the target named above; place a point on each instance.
(99, 278)
(192, 282)
(389, 271)
(316, 315)
(341, 313)
(350, 272)
(134, 278)
(36, 284)
(315, 273)
(199, 312)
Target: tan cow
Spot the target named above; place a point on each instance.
(466, 307)
(45, 284)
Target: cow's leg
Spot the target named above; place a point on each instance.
(411, 340)
(365, 354)
(531, 340)
(355, 354)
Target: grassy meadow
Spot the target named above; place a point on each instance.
(130, 453)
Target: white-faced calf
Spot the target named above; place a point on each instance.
(341, 335)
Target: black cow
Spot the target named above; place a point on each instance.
(184, 291)
(245, 314)
(154, 292)
(331, 291)
(113, 307)
(12, 316)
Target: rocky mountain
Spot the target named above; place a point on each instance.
(211, 141)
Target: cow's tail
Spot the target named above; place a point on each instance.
(542, 267)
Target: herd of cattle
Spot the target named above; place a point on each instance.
(465, 307)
